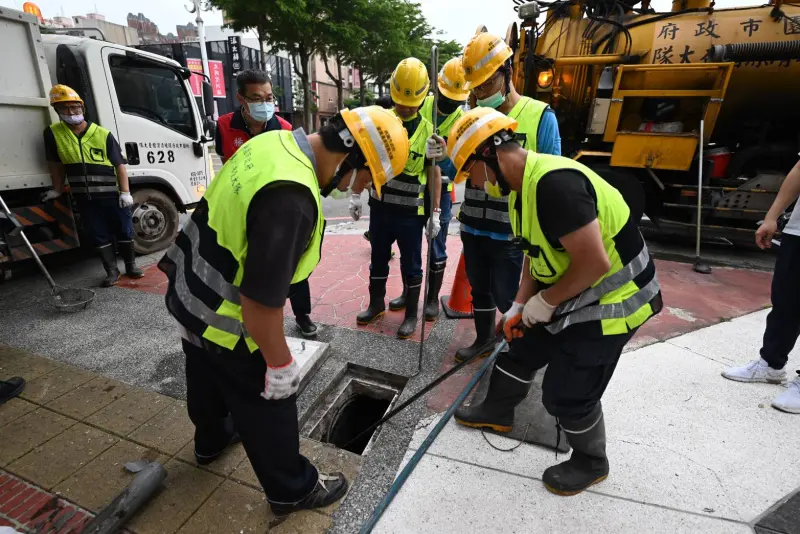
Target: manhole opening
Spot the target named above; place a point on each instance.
(354, 401)
(355, 416)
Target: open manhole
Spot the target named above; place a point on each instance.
(356, 400)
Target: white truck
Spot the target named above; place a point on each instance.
(145, 100)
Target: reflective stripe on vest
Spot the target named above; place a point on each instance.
(480, 215)
(614, 300)
(88, 168)
(408, 189)
(278, 156)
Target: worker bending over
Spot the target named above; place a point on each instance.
(451, 99)
(89, 158)
(587, 285)
(256, 116)
(492, 261)
(257, 230)
(398, 212)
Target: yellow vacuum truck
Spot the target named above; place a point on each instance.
(631, 87)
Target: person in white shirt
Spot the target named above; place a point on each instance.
(783, 321)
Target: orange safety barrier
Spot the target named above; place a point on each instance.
(458, 305)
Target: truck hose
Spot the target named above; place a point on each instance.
(774, 51)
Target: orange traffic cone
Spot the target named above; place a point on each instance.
(458, 305)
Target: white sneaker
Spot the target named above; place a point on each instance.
(755, 371)
(789, 400)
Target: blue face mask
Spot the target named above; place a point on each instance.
(494, 101)
(261, 111)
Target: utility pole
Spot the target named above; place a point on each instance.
(198, 6)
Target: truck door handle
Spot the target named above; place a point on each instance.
(132, 152)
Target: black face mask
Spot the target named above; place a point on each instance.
(447, 106)
(355, 160)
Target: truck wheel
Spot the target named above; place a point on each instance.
(155, 221)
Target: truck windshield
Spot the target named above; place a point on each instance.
(153, 92)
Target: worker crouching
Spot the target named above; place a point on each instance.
(398, 211)
(257, 230)
(588, 284)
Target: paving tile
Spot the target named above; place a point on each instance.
(185, 490)
(61, 380)
(168, 432)
(14, 362)
(92, 396)
(226, 464)
(29, 431)
(244, 473)
(52, 462)
(231, 508)
(492, 501)
(784, 518)
(331, 460)
(96, 484)
(128, 413)
(305, 522)
(14, 409)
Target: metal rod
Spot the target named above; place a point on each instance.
(412, 463)
(723, 188)
(699, 190)
(706, 226)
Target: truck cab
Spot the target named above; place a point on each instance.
(146, 102)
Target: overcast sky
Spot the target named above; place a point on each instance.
(458, 18)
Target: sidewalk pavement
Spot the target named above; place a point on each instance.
(66, 438)
(689, 451)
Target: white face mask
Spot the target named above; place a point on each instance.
(336, 194)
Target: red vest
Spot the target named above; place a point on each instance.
(233, 138)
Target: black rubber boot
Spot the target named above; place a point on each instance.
(306, 326)
(11, 388)
(434, 286)
(329, 489)
(109, 259)
(377, 306)
(508, 386)
(588, 464)
(484, 340)
(129, 257)
(400, 302)
(409, 325)
(207, 449)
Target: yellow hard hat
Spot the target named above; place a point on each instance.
(471, 131)
(64, 93)
(451, 80)
(483, 55)
(410, 83)
(382, 139)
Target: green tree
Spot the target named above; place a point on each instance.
(355, 100)
(341, 34)
(289, 25)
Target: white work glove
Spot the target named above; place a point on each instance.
(433, 227)
(435, 148)
(537, 310)
(50, 195)
(355, 206)
(281, 382)
(125, 200)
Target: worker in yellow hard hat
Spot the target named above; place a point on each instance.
(258, 230)
(89, 157)
(587, 285)
(450, 106)
(398, 213)
(493, 264)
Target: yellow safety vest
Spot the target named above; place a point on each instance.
(89, 170)
(408, 188)
(278, 156)
(528, 113)
(614, 299)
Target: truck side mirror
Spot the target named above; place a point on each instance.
(208, 98)
(210, 126)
